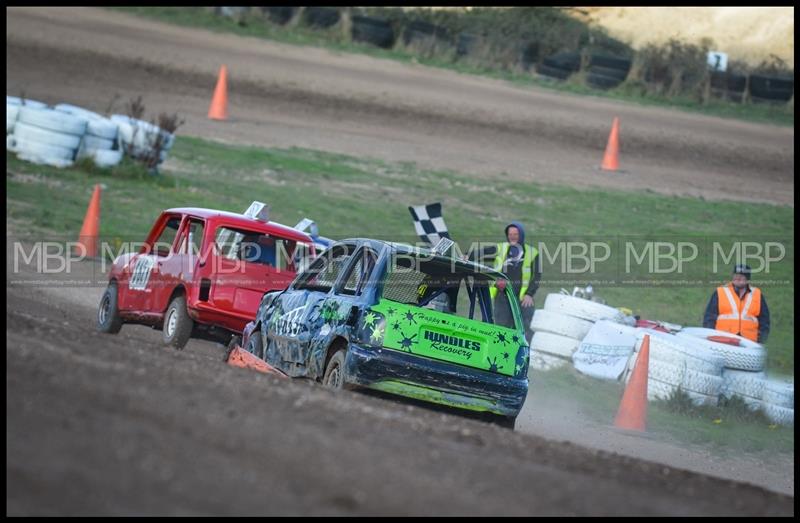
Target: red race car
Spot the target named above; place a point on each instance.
(202, 273)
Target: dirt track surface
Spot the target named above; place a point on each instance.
(100, 424)
(286, 96)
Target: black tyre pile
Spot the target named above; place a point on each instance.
(606, 72)
(375, 31)
(772, 89)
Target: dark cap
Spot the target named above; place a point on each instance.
(742, 269)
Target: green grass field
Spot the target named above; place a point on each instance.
(333, 39)
(362, 197)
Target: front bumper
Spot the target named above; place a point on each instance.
(434, 381)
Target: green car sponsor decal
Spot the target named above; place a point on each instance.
(446, 337)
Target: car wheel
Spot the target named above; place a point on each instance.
(177, 324)
(508, 422)
(255, 345)
(108, 318)
(334, 372)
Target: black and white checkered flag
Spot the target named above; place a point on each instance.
(429, 223)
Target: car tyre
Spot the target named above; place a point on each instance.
(177, 324)
(108, 318)
(334, 371)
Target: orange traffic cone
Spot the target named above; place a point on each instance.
(632, 413)
(611, 157)
(91, 227)
(241, 358)
(219, 102)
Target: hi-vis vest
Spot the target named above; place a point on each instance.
(739, 316)
(527, 260)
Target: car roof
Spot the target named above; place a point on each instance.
(404, 248)
(246, 221)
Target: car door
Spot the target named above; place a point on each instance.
(341, 309)
(145, 275)
(298, 314)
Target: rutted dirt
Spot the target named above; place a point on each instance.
(286, 96)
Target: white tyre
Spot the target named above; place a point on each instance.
(545, 362)
(659, 390)
(580, 308)
(14, 100)
(743, 383)
(105, 157)
(678, 351)
(53, 120)
(557, 323)
(779, 392)
(687, 379)
(554, 345)
(748, 356)
(26, 131)
(33, 148)
(11, 144)
(95, 142)
(98, 125)
(10, 124)
(12, 111)
(779, 415)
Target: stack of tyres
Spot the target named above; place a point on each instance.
(675, 363)
(559, 328)
(373, 31)
(143, 140)
(46, 136)
(12, 110)
(100, 141)
(606, 72)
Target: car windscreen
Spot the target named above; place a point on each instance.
(448, 287)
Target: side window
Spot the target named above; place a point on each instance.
(193, 239)
(163, 245)
(360, 273)
(322, 274)
(254, 247)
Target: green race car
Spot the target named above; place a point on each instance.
(401, 320)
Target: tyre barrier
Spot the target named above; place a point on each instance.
(546, 362)
(569, 60)
(610, 63)
(553, 72)
(12, 111)
(779, 393)
(617, 74)
(139, 138)
(103, 157)
(40, 153)
(554, 345)
(279, 15)
(771, 88)
(742, 383)
(97, 125)
(748, 356)
(14, 100)
(679, 351)
(321, 17)
(561, 324)
(53, 120)
(659, 390)
(779, 415)
(581, 308)
(26, 131)
(373, 31)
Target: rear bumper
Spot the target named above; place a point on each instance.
(434, 381)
